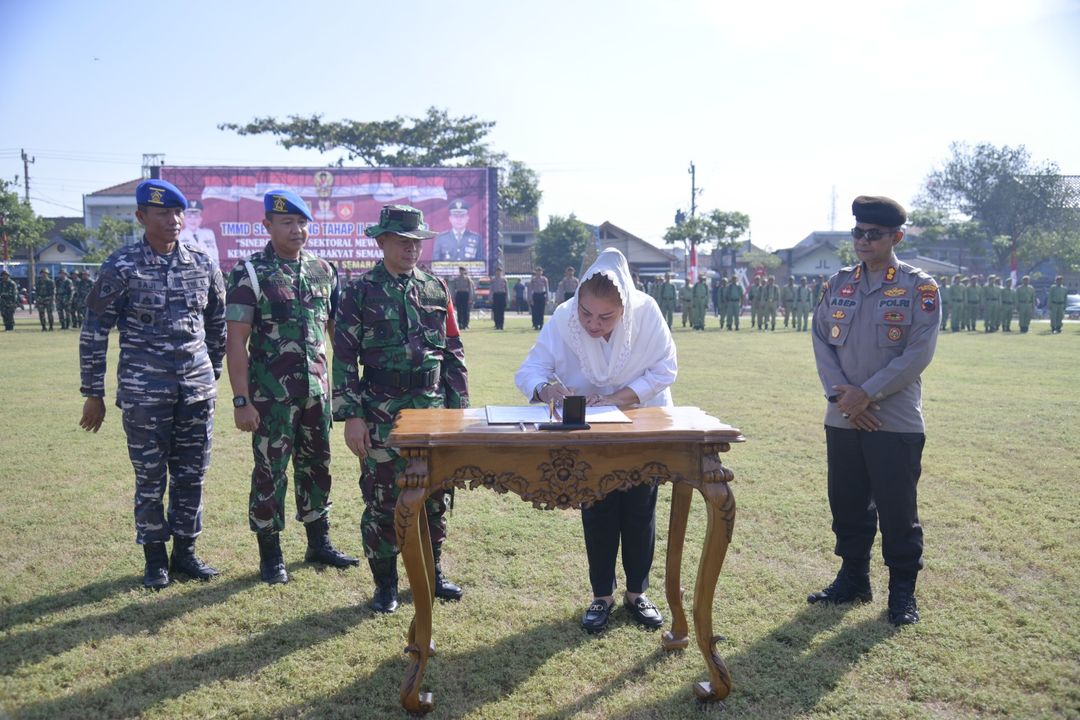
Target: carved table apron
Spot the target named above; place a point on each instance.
(457, 448)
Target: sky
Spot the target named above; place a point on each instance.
(787, 110)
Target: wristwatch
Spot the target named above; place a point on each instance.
(239, 401)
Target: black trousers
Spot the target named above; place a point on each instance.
(498, 309)
(627, 517)
(539, 304)
(461, 306)
(872, 480)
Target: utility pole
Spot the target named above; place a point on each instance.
(693, 189)
(27, 160)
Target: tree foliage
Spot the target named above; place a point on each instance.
(1010, 198)
(719, 228)
(561, 244)
(109, 236)
(434, 140)
(23, 227)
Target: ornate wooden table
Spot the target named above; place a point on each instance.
(457, 448)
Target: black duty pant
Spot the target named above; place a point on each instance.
(539, 303)
(628, 516)
(872, 480)
(498, 309)
(461, 306)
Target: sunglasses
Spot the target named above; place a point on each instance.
(873, 235)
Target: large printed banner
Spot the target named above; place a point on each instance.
(458, 203)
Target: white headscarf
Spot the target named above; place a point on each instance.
(630, 341)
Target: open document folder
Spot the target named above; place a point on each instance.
(515, 414)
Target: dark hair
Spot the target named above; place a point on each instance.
(600, 286)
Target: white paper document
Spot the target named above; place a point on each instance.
(514, 414)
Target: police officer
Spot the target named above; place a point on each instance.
(499, 293)
(168, 302)
(195, 235)
(459, 243)
(874, 333)
(45, 298)
(279, 303)
(1025, 303)
(538, 296)
(64, 290)
(1055, 301)
(567, 286)
(464, 290)
(398, 323)
(9, 299)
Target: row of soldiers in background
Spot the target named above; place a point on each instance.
(765, 297)
(65, 296)
(967, 299)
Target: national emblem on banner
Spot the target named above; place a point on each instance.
(345, 210)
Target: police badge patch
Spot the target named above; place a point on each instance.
(894, 333)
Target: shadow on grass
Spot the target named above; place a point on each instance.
(39, 607)
(34, 645)
(136, 692)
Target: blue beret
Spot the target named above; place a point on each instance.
(285, 202)
(160, 193)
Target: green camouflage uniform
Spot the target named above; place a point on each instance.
(1025, 305)
(288, 382)
(78, 300)
(9, 300)
(667, 296)
(64, 290)
(397, 329)
(700, 299)
(45, 299)
(734, 303)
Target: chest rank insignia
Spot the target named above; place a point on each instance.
(894, 317)
(896, 292)
(890, 275)
(848, 290)
(858, 272)
(839, 314)
(279, 204)
(835, 332)
(894, 333)
(927, 288)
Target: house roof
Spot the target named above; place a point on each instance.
(607, 229)
(126, 189)
(59, 225)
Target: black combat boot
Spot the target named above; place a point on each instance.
(156, 573)
(444, 589)
(903, 610)
(319, 548)
(384, 571)
(852, 584)
(271, 564)
(184, 560)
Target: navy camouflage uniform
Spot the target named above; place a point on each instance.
(170, 312)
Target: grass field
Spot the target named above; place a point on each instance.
(1000, 636)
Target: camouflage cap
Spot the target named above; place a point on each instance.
(402, 220)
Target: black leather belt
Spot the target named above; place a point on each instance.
(403, 380)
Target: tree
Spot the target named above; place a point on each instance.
(561, 244)
(936, 226)
(77, 235)
(1011, 197)
(718, 227)
(434, 140)
(23, 227)
(109, 236)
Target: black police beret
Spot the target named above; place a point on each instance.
(878, 210)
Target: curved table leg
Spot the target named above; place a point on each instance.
(720, 505)
(678, 638)
(414, 541)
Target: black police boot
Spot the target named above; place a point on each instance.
(185, 560)
(319, 548)
(903, 610)
(156, 573)
(384, 571)
(444, 589)
(271, 564)
(852, 584)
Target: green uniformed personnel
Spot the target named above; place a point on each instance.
(398, 323)
(9, 299)
(971, 303)
(946, 300)
(686, 297)
(667, 296)
(802, 305)
(64, 290)
(992, 295)
(756, 295)
(700, 300)
(1056, 303)
(956, 302)
(769, 304)
(1008, 304)
(1025, 303)
(734, 302)
(787, 300)
(45, 298)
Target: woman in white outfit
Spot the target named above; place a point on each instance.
(611, 344)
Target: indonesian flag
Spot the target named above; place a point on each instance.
(692, 272)
(1012, 268)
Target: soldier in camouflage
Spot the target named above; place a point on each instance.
(398, 323)
(64, 290)
(78, 299)
(9, 299)
(45, 298)
(279, 303)
(168, 302)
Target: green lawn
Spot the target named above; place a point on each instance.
(80, 638)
